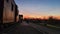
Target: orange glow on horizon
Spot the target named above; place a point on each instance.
(42, 17)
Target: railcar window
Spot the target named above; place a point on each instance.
(7, 0)
(12, 7)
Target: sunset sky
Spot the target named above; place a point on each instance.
(39, 8)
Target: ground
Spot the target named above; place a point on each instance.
(22, 28)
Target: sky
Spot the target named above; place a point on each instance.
(39, 8)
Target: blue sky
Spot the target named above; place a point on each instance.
(39, 7)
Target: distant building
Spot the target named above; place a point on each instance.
(20, 18)
(8, 11)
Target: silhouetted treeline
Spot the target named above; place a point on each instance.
(53, 21)
(50, 20)
(32, 20)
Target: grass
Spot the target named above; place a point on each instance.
(53, 27)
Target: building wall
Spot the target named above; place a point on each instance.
(8, 13)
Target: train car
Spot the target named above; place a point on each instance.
(20, 18)
(8, 11)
